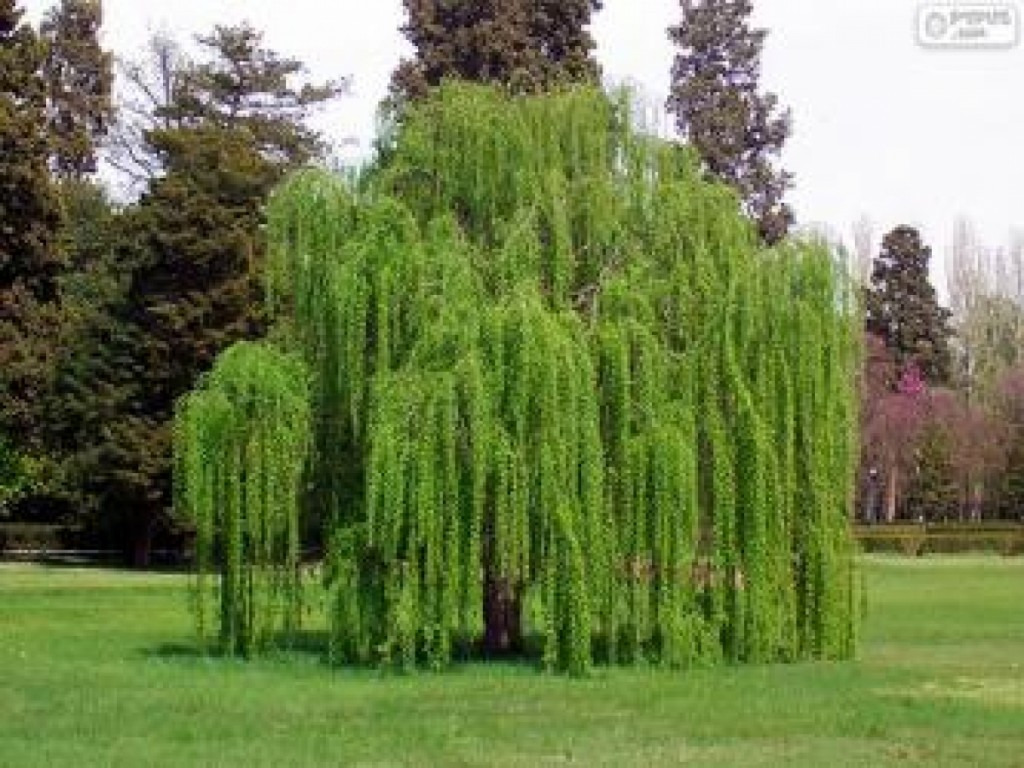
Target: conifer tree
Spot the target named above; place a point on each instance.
(189, 255)
(933, 492)
(526, 45)
(903, 308)
(29, 223)
(79, 78)
(720, 109)
(234, 82)
(238, 84)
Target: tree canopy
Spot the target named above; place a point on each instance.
(903, 308)
(561, 401)
(182, 275)
(715, 96)
(79, 79)
(526, 45)
(29, 222)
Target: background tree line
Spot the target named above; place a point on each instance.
(942, 432)
(111, 310)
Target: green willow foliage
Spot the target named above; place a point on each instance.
(241, 441)
(550, 360)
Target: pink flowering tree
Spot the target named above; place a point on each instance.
(893, 413)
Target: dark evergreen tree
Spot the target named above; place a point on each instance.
(184, 279)
(29, 222)
(239, 84)
(903, 309)
(12, 475)
(719, 108)
(76, 405)
(527, 45)
(188, 249)
(933, 492)
(79, 78)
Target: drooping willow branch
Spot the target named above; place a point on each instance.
(561, 401)
(241, 442)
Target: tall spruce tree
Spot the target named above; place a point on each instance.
(527, 45)
(234, 82)
(719, 108)
(903, 309)
(79, 78)
(187, 263)
(29, 222)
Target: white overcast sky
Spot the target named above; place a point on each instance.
(882, 127)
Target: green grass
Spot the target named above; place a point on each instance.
(96, 668)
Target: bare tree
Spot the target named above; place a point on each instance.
(986, 292)
(146, 88)
(863, 248)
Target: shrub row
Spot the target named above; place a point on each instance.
(942, 538)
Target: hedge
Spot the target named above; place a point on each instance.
(942, 538)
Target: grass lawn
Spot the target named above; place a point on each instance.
(96, 668)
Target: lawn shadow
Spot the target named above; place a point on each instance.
(305, 645)
(177, 651)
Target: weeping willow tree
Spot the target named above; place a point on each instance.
(241, 443)
(562, 403)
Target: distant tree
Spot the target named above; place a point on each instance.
(187, 253)
(239, 84)
(79, 78)
(1011, 492)
(986, 292)
(29, 222)
(975, 437)
(894, 432)
(527, 45)
(863, 248)
(185, 274)
(933, 492)
(719, 108)
(147, 87)
(91, 283)
(12, 474)
(903, 309)
(234, 83)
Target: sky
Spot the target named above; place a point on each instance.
(883, 127)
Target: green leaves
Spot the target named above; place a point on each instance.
(241, 442)
(560, 402)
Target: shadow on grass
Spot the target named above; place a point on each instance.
(312, 648)
(306, 646)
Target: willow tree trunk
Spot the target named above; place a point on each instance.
(502, 602)
(503, 606)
